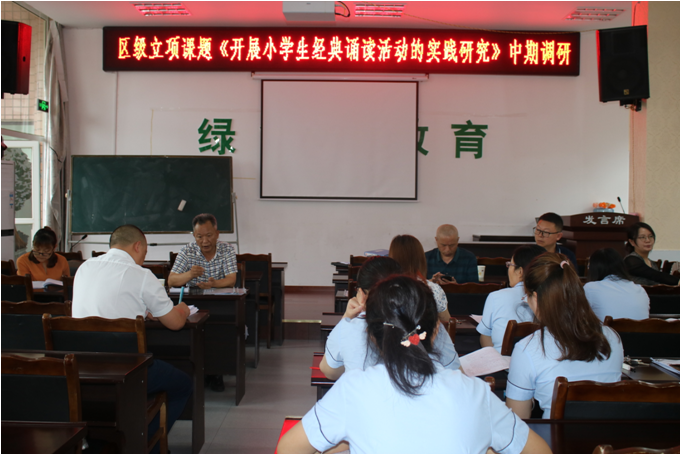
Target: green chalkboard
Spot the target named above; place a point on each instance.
(109, 191)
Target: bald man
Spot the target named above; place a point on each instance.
(114, 286)
(448, 263)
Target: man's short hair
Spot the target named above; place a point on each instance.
(204, 218)
(447, 230)
(126, 235)
(553, 218)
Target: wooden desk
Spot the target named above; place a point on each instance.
(185, 349)
(42, 437)
(319, 380)
(279, 290)
(582, 436)
(113, 390)
(225, 332)
(252, 281)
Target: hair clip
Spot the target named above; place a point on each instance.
(413, 337)
(563, 263)
(387, 323)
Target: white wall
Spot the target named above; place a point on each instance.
(551, 146)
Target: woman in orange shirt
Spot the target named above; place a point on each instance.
(43, 263)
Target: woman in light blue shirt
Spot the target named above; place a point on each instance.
(571, 341)
(611, 291)
(346, 347)
(506, 305)
(408, 403)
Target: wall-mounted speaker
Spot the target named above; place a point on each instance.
(16, 57)
(622, 63)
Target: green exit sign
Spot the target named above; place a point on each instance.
(43, 106)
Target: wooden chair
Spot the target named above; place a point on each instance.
(491, 381)
(663, 299)
(67, 289)
(262, 263)
(22, 326)
(355, 261)
(583, 266)
(72, 256)
(494, 266)
(667, 266)
(353, 272)
(108, 335)
(468, 298)
(451, 329)
(98, 253)
(624, 400)
(514, 332)
(648, 337)
(173, 256)
(17, 288)
(161, 271)
(351, 289)
(8, 268)
(44, 389)
(606, 448)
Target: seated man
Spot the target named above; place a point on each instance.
(116, 286)
(448, 263)
(205, 263)
(548, 232)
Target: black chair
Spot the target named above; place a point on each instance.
(67, 289)
(160, 271)
(648, 337)
(22, 326)
(98, 253)
(44, 389)
(624, 400)
(97, 334)
(8, 268)
(262, 263)
(663, 299)
(171, 263)
(17, 288)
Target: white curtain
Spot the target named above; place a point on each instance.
(56, 151)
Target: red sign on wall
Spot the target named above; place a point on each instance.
(340, 50)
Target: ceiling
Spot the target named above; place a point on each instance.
(496, 15)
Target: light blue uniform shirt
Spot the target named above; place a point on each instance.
(346, 345)
(501, 307)
(452, 414)
(533, 373)
(617, 298)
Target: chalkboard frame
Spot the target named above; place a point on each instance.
(226, 163)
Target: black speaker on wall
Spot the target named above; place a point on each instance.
(622, 63)
(16, 57)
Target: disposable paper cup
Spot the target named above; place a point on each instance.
(480, 272)
(162, 281)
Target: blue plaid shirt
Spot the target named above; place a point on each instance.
(463, 266)
(223, 264)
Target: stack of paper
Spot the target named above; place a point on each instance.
(225, 291)
(484, 361)
(477, 318)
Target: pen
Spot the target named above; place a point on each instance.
(181, 294)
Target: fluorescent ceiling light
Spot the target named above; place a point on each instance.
(375, 10)
(162, 9)
(594, 14)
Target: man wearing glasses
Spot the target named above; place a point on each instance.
(548, 232)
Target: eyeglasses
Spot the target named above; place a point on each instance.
(509, 263)
(541, 233)
(43, 253)
(646, 237)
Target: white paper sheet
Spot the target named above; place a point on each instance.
(484, 361)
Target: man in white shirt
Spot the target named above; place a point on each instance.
(114, 286)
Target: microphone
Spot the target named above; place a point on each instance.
(81, 239)
(622, 209)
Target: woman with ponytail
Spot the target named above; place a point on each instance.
(42, 262)
(408, 403)
(571, 341)
(347, 348)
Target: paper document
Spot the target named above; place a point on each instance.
(178, 290)
(484, 361)
(477, 318)
(225, 291)
(193, 309)
(47, 282)
(670, 365)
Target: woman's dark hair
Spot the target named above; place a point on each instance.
(45, 238)
(374, 269)
(524, 254)
(607, 262)
(403, 303)
(408, 252)
(633, 231)
(564, 310)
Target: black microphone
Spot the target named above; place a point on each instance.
(622, 209)
(81, 239)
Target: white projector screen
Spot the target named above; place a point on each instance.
(339, 140)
